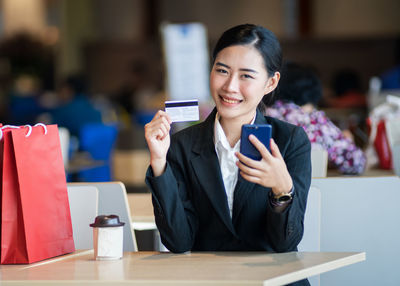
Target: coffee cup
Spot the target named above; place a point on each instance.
(107, 237)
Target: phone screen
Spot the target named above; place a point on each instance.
(262, 132)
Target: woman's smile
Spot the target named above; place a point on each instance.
(230, 101)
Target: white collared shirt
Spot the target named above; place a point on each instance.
(227, 160)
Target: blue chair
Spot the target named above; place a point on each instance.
(98, 140)
(143, 117)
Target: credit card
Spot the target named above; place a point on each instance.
(182, 110)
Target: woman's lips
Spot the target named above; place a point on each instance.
(230, 100)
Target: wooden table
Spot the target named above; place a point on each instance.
(198, 268)
(375, 172)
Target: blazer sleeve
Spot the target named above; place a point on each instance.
(285, 229)
(174, 214)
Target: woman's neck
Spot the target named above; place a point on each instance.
(233, 127)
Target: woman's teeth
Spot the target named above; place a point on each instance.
(230, 100)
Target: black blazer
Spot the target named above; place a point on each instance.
(190, 203)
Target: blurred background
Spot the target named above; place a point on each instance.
(97, 67)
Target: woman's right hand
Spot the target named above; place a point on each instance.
(157, 137)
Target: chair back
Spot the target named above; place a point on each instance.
(64, 142)
(113, 200)
(311, 241)
(83, 202)
(312, 222)
(361, 214)
(319, 162)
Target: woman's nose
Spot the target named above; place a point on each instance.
(231, 84)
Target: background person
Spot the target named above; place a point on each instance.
(74, 107)
(298, 94)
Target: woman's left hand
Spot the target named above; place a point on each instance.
(270, 171)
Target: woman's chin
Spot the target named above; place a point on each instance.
(225, 112)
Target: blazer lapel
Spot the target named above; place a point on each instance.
(242, 190)
(207, 170)
(244, 187)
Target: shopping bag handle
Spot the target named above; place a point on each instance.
(4, 127)
(43, 125)
(9, 126)
(27, 125)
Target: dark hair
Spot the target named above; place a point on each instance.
(260, 38)
(346, 80)
(299, 84)
(76, 82)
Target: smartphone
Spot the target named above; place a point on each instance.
(262, 132)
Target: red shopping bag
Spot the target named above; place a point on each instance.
(35, 214)
(381, 143)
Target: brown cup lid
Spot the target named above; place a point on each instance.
(107, 221)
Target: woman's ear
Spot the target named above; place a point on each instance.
(272, 83)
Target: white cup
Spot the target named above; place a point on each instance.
(108, 237)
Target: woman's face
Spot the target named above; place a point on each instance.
(238, 82)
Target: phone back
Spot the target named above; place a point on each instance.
(262, 132)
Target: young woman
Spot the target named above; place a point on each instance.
(206, 195)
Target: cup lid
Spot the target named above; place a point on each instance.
(107, 221)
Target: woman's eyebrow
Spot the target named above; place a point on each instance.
(242, 69)
(222, 65)
(249, 70)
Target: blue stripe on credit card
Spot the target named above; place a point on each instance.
(181, 103)
(182, 110)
